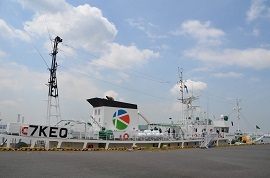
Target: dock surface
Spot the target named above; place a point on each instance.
(234, 161)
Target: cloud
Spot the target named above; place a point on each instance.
(86, 27)
(137, 23)
(204, 33)
(8, 103)
(229, 75)
(16, 78)
(2, 54)
(177, 107)
(24, 91)
(80, 27)
(76, 88)
(122, 58)
(193, 87)
(258, 9)
(118, 56)
(255, 79)
(12, 33)
(147, 28)
(257, 58)
(111, 93)
(256, 32)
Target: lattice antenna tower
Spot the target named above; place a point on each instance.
(53, 107)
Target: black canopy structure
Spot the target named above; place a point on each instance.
(99, 102)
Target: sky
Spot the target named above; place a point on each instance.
(132, 50)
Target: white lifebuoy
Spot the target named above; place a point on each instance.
(126, 136)
(24, 130)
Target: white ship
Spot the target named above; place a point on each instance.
(114, 124)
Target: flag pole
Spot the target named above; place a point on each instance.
(257, 127)
(256, 133)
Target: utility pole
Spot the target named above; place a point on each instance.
(53, 107)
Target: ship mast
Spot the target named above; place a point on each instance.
(186, 100)
(53, 107)
(238, 108)
(180, 73)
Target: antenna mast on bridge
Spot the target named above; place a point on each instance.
(53, 107)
